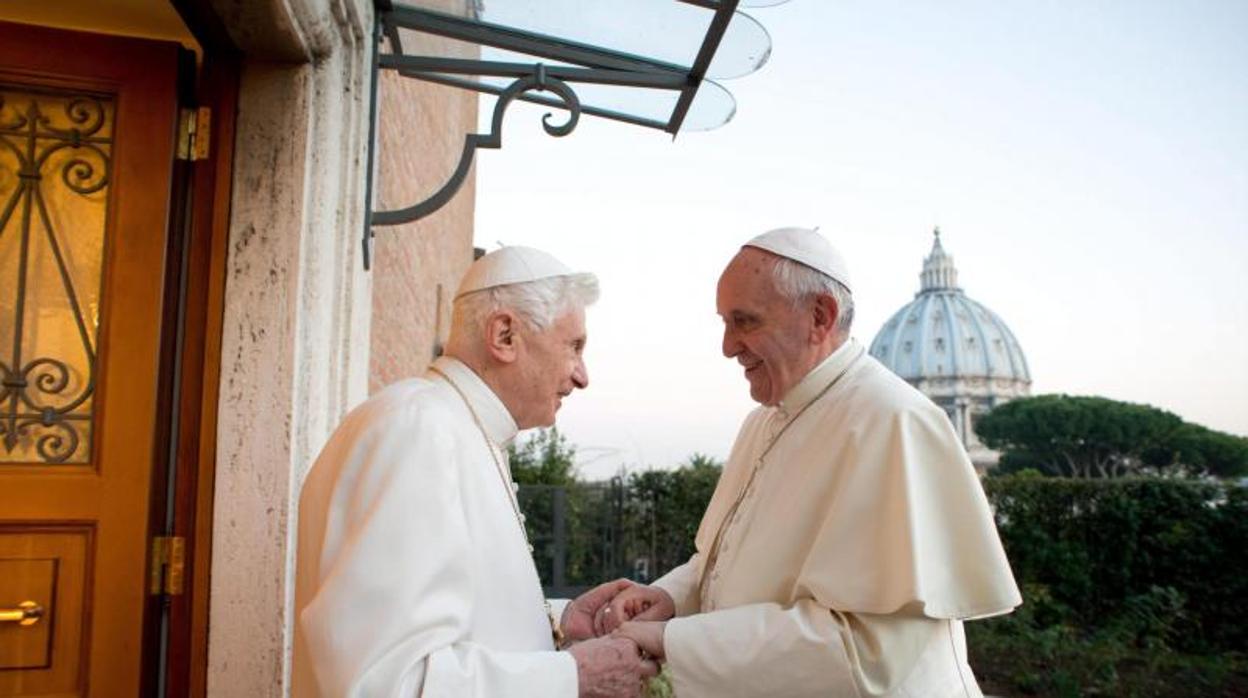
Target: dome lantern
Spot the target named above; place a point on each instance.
(938, 270)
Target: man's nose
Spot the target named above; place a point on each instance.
(730, 346)
(580, 374)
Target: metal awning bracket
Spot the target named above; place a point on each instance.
(559, 64)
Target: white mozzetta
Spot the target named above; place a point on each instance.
(858, 546)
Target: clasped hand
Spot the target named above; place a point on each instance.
(617, 612)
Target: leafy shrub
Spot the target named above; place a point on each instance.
(1130, 587)
(1099, 546)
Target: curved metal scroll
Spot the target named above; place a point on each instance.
(45, 402)
(494, 139)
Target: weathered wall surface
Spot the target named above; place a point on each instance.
(417, 266)
(296, 302)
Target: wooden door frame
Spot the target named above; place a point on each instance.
(198, 359)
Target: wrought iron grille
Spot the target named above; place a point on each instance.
(55, 163)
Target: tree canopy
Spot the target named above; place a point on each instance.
(545, 458)
(1096, 437)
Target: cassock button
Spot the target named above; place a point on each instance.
(530, 547)
(523, 518)
(515, 487)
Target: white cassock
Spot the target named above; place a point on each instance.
(413, 575)
(862, 542)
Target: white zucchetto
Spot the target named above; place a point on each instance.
(511, 265)
(808, 247)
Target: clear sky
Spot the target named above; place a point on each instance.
(1087, 163)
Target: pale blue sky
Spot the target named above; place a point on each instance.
(1087, 163)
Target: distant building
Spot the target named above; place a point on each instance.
(955, 350)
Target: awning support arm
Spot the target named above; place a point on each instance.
(537, 83)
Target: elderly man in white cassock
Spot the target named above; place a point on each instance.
(848, 537)
(414, 573)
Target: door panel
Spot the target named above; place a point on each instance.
(87, 133)
(46, 566)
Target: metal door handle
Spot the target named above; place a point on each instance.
(26, 613)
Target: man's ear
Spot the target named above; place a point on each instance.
(825, 315)
(500, 336)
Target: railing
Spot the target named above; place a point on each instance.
(584, 534)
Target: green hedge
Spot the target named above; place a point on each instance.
(1130, 587)
(1098, 546)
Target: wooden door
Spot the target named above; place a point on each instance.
(87, 136)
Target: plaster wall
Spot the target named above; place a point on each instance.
(296, 303)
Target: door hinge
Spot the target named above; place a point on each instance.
(168, 565)
(194, 129)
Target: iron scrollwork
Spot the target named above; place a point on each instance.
(563, 60)
(40, 398)
(538, 81)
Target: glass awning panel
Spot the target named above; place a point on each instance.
(651, 63)
(648, 58)
(663, 31)
(650, 105)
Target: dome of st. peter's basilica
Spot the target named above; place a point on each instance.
(955, 350)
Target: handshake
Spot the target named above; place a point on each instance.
(615, 632)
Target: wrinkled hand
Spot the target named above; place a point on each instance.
(578, 616)
(637, 602)
(610, 667)
(647, 634)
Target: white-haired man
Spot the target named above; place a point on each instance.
(414, 574)
(848, 536)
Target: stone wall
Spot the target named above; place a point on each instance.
(296, 299)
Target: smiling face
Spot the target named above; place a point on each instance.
(550, 365)
(775, 340)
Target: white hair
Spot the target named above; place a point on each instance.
(538, 303)
(798, 282)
